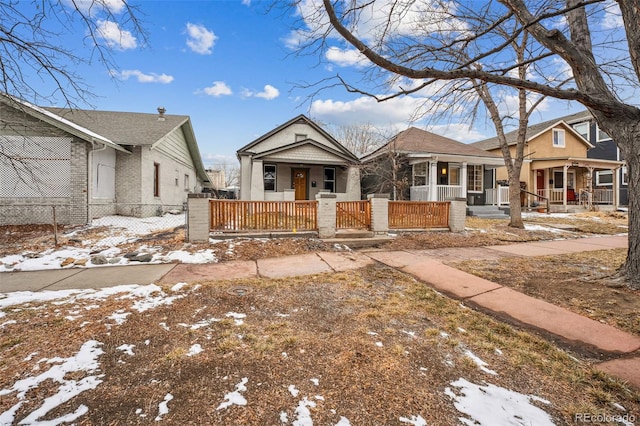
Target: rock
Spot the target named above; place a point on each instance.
(81, 262)
(99, 259)
(131, 255)
(68, 261)
(114, 260)
(143, 257)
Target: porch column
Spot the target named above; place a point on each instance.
(564, 186)
(463, 180)
(616, 187)
(433, 181)
(257, 181)
(245, 177)
(353, 184)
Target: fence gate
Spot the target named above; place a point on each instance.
(353, 215)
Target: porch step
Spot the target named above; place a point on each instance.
(353, 233)
(486, 212)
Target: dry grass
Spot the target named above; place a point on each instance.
(319, 327)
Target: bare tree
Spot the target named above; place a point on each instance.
(408, 38)
(360, 139)
(33, 52)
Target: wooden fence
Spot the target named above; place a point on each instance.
(418, 214)
(353, 215)
(235, 215)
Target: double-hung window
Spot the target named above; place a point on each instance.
(330, 178)
(558, 138)
(269, 177)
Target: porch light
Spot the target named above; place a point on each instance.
(444, 170)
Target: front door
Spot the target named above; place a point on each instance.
(300, 183)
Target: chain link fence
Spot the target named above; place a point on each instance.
(123, 219)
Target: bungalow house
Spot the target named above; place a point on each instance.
(296, 161)
(430, 167)
(93, 163)
(557, 165)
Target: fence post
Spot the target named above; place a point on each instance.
(198, 218)
(457, 214)
(326, 214)
(379, 213)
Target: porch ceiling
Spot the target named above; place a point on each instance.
(452, 158)
(576, 162)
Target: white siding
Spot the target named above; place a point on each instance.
(103, 174)
(287, 136)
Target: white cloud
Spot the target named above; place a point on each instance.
(395, 112)
(457, 131)
(200, 39)
(115, 36)
(269, 92)
(219, 88)
(145, 78)
(612, 16)
(346, 57)
(246, 2)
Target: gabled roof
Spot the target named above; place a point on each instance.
(338, 148)
(535, 130)
(115, 129)
(418, 141)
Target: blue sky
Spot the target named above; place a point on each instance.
(229, 66)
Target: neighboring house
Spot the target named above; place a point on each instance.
(557, 165)
(296, 161)
(604, 148)
(430, 167)
(93, 163)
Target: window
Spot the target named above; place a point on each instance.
(582, 129)
(624, 175)
(269, 177)
(474, 178)
(558, 138)
(300, 137)
(602, 136)
(330, 179)
(156, 179)
(419, 174)
(604, 178)
(186, 182)
(454, 174)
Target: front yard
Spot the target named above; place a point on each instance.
(371, 346)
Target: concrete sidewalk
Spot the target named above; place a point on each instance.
(426, 265)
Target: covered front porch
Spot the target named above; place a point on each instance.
(449, 177)
(575, 181)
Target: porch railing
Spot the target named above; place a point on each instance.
(443, 192)
(418, 214)
(235, 215)
(497, 196)
(598, 196)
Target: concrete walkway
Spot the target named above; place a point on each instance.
(426, 265)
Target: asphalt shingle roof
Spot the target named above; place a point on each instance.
(124, 128)
(414, 140)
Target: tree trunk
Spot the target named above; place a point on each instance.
(514, 202)
(625, 131)
(631, 268)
